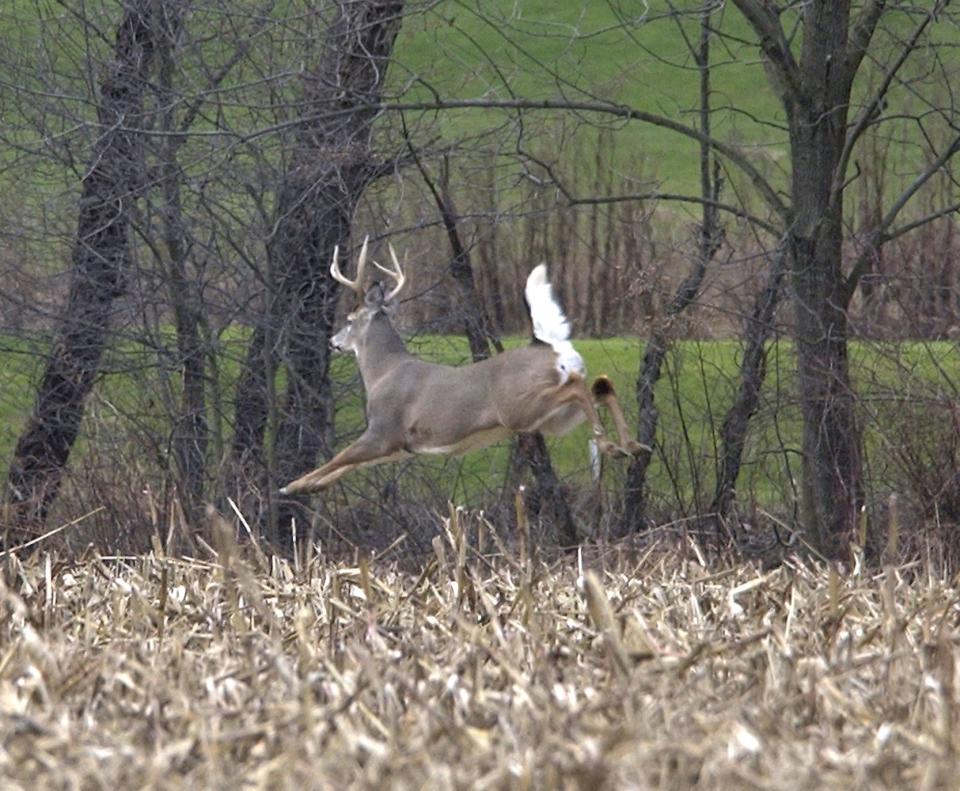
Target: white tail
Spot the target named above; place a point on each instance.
(550, 325)
(418, 407)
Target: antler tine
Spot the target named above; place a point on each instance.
(396, 273)
(357, 284)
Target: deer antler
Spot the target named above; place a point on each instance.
(396, 273)
(357, 284)
(418, 407)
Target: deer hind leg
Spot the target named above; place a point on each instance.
(604, 393)
(574, 391)
(368, 449)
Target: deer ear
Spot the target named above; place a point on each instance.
(374, 296)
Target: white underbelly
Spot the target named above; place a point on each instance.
(472, 442)
(561, 420)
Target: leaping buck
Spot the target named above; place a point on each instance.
(418, 407)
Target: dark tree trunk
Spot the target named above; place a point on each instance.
(635, 490)
(330, 167)
(815, 91)
(752, 373)
(476, 323)
(301, 251)
(832, 475)
(832, 470)
(190, 432)
(100, 258)
(530, 450)
(253, 408)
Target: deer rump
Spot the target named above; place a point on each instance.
(417, 407)
(515, 391)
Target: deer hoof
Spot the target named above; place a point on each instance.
(607, 447)
(635, 448)
(612, 449)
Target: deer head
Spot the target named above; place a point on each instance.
(372, 304)
(415, 406)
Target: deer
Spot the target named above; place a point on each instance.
(420, 407)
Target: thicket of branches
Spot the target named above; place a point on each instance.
(177, 175)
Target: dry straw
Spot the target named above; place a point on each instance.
(480, 671)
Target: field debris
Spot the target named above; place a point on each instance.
(480, 671)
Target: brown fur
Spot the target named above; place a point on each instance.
(414, 406)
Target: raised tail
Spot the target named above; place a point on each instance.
(549, 323)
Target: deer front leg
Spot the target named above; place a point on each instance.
(604, 393)
(369, 448)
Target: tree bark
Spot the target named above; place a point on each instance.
(100, 258)
(752, 373)
(832, 467)
(330, 167)
(815, 91)
(635, 490)
(190, 432)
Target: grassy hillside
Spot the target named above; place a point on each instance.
(638, 54)
(586, 50)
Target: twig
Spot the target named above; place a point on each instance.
(53, 532)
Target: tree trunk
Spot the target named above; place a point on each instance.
(100, 257)
(476, 322)
(832, 469)
(531, 451)
(752, 373)
(330, 167)
(815, 91)
(190, 432)
(313, 222)
(635, 494)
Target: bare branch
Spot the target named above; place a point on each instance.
(921, 221)
(870, 109)
(782, 67)
(861, 34)
(736, 211)
(879, 235)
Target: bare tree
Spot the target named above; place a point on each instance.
(707, 246)
(815, 87)
(331, 165)
(100, 260)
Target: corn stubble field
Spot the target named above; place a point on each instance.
(487, 667)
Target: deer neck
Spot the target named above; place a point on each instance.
(382, 349)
